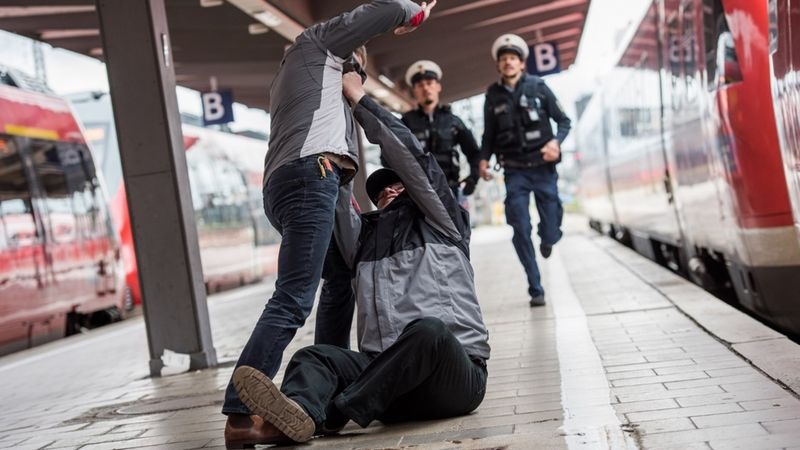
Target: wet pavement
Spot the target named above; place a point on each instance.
(625, 355)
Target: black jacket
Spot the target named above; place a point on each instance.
(441, 136)
(517, 124)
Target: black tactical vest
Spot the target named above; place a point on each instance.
(522, 123)
(437, 137)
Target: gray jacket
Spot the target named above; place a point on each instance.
(411, 259)
(307, 110)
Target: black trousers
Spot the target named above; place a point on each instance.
(425, 374)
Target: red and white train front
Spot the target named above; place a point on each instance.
(60, 265)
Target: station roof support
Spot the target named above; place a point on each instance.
(141, 74)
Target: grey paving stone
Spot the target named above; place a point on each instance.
(719, 420)
(676, 438)
(782, 426)
(677, 365)
(772, 441)
(664, 425)
(658, 379)
(694, 411)
(647, 405)
(752, 377)
(767, 392)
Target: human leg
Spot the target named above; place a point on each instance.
(548, 204)
(425, 374)
(300, 203)
(303, 404)
(517, 203)
(336, 301)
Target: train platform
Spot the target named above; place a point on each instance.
(624, 355)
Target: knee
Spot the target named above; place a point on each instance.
(310, 353)
(428, 329)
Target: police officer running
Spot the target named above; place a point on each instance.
(438, 129)
(517, 130)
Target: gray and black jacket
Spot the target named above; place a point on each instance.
(308, 112)
(411, 259)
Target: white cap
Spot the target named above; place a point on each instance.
(510, 42)
(423, 67)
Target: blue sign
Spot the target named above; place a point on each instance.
(543, 59)
(217, 107)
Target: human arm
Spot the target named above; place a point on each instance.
(487, 141)
(469, 147)
(347, 225)
(552, 150)
(343, 34)
(422, 177)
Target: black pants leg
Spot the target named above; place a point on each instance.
(316, 374)
(425, 374)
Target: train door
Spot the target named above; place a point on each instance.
(784, 30)
(693, 175)
(23, 270)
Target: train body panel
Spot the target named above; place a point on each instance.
(59, 255)
(698, 190)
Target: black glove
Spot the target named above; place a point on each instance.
(469, 185)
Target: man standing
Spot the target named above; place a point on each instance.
(438, 129)
(312, 151)
(423, 344)
(517, 130)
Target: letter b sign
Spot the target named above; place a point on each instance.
(543, 59)
(217, 107)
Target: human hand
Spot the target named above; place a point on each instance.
(352, 87)
(483, 167)
(426, 9)
(551, 151)
(469, 184)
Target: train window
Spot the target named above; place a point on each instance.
(69, 182)
(16, 212)
(722, 64)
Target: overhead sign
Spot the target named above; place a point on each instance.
(543, 59)
(217, 107)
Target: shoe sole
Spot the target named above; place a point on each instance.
(261, 395)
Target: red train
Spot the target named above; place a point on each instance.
(681, 157)
(60, 265)
(237, 243)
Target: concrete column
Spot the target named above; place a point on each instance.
(141, 74)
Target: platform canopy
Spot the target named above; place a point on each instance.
(241, 42)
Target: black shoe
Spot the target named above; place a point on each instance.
(537, 301)
(545, 250)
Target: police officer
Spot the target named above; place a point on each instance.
(517, 130)
(438, 129)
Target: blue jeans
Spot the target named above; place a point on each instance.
(542, 181)
(300, 203)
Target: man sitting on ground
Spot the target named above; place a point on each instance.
(423, 343)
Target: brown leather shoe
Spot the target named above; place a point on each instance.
(243, 431)
(264, 398)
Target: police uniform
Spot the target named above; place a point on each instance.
(440, 132)
(516, 128)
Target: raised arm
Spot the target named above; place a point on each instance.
(346, 32)
(347, 225)
(423, 179)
